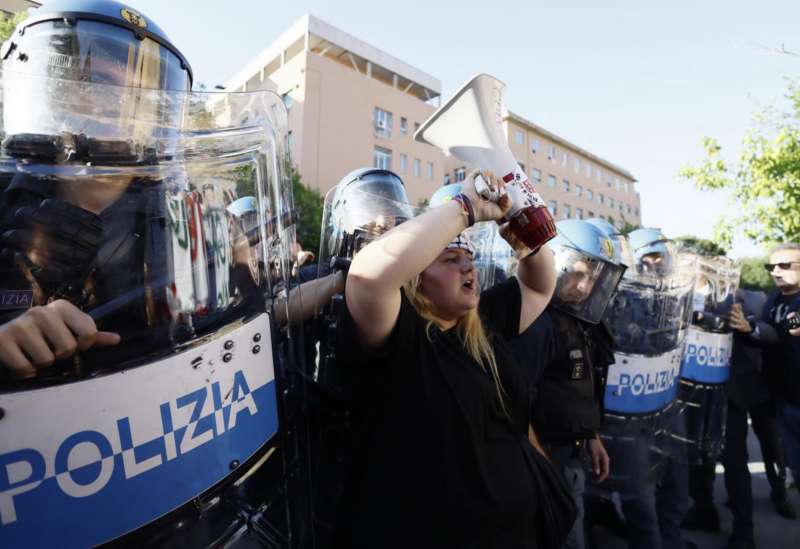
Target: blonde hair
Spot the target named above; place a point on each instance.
(469, 330)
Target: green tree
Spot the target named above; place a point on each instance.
(764, 182)
(308, 203)
(9, 22)
(754, 276)
(628, 227)
(701, 246)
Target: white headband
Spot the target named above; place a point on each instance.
(462, 242)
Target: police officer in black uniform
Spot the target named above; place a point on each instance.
(567, 406)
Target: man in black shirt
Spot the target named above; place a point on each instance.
(782, 361)
(567, 407)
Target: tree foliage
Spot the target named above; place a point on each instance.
(701, 246)
(754, 276)
(764, 182)
(628, 227)
(308, 203)
(9, 22)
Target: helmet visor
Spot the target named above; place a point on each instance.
(90, 51)
(356, 215)
(584, 284)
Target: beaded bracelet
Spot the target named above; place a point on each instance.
(466, 205)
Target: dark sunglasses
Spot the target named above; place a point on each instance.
(784, 266)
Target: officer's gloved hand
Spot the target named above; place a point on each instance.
(58, 242)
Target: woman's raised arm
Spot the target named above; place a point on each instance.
(379, 270)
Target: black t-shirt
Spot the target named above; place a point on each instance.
(782, 362)
(438, 462)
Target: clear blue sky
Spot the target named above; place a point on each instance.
(637, 83)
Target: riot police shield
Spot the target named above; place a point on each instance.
(706, 359)
(649, 318)
(117, 213)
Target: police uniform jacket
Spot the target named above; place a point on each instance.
(569, 395)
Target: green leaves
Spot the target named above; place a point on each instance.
(8, 23)
(764, 183)
(309, 203)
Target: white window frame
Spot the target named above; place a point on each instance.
(382, 123)
(382, 158)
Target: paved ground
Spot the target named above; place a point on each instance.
(772, 530)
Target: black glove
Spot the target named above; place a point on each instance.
(58, 242)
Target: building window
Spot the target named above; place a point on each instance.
(589, 194)
(591, 214)
(446, 178)
(417, 167)
(383, 123)
(565, 185)
(382, 158)
(577, 165)
(629, 208)
(626, 187)
(535, 144)
(579, 213)
(551, 181)
(567, 211)
(461, 174)
(519, 137)
(599, 173)
(564, 158)
(403, 164)
(430, 171)
(578, 190)
(551, 152)
(536, 175)
(403, 125)
(637, 212)
(588, 170)
(553, 207)
(610, 202)
(608, 181)
(619, 204)
(600, 198)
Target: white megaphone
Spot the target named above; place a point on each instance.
(469, 126)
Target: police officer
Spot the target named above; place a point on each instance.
(655, 258)
(121, 259)
(567, 408)
(364, 204)
(66, 236)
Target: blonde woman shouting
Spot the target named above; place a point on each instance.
(442, 406)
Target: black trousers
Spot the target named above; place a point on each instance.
(734, 458)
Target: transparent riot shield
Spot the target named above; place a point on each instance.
(707, 359)
(649, 318)
(483, 237)
(120, 212)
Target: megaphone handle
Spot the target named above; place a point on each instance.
(484, 190)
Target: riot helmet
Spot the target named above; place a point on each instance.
(622, 248)
(366, 203)
(586, 275)
(76, 79)
(652, 252)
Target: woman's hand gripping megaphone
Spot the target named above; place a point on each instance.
(487, 194)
